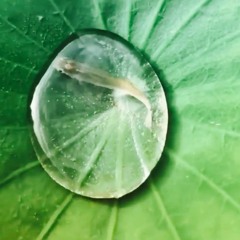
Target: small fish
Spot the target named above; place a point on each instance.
(100, 78)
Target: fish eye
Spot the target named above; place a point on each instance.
(69, 67)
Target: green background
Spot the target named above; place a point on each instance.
(193, 193)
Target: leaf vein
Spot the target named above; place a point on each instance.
(119, 155)
(203, 177)
(146, 171)
(112, 221)
(55, 216)
(128, 17)
(95, 122)
(202, 51)
(163, 210)
(61, 14)
(99, 13)
(212, 128)
(18, 172)
(152, 22)
(18, 65)
(185, 23)
(20, 32)
(94, 156)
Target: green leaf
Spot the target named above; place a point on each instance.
(194, 191)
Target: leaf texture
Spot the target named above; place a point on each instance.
(193, 193)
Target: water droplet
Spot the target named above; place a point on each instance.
(93, 116)
(40, 18)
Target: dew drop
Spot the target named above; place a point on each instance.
(40, 18)
(93, 118)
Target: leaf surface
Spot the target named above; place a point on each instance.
(193, 193)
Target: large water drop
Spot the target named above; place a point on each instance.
(100, 116)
